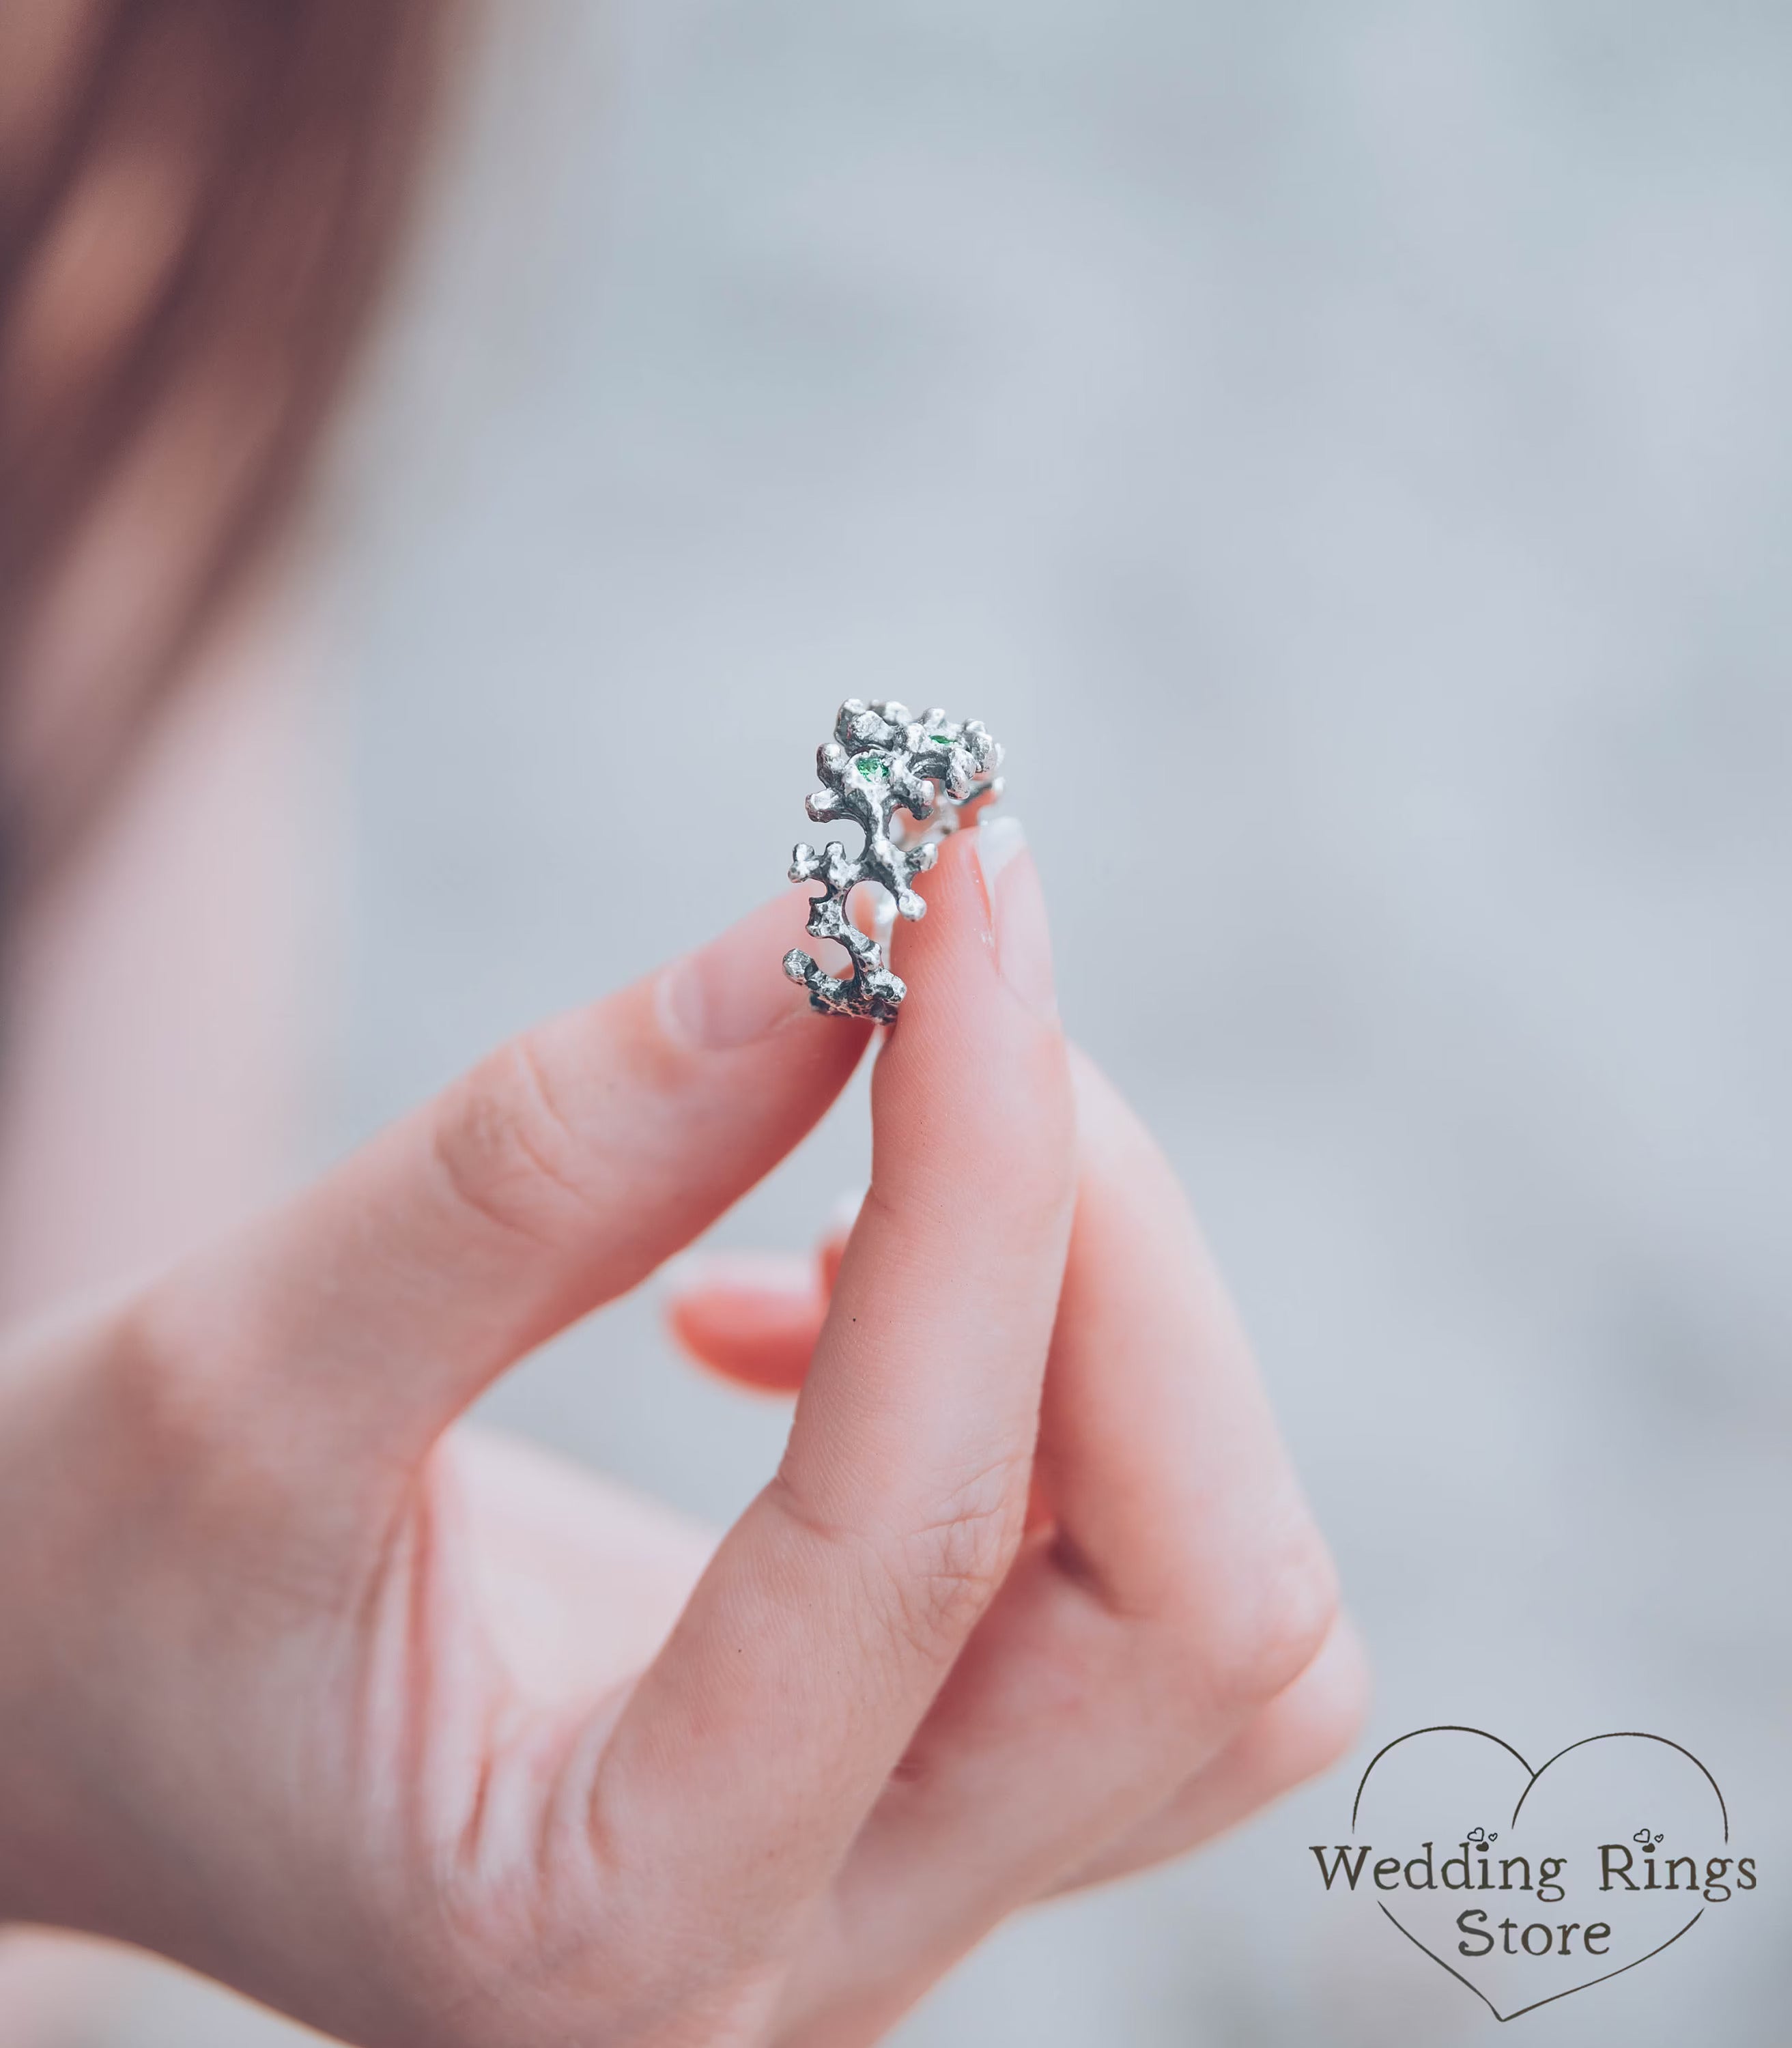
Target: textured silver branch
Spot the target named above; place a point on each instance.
(904, 782)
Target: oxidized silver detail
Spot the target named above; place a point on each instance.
(880, 765)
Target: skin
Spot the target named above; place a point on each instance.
(154, 1054)
(427, 1738)
(419, 1736)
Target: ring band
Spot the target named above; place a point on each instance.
(905, 781)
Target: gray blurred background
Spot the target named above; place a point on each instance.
(1343, 450)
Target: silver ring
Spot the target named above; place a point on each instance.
(907, 782)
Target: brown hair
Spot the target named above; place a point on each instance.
(198, 201)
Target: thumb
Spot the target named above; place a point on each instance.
(362, 1319)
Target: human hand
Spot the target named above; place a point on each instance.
(333, 1701)
(1161, 1495)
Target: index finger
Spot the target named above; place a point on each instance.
(832, 1612)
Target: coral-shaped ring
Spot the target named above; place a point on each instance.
(880, 765)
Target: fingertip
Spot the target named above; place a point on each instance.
(733, 991)
(752, 1319)
(986, 934)
(974, 1072)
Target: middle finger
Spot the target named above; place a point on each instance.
(1178, 1587)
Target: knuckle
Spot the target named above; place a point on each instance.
(1296, 1602)
(184, 1438)
(942, 1574)
(922, 1583)
(508, 1152)
(1331, 1721)
(1228, 1663)
(1314, 1721)
(161, 1380)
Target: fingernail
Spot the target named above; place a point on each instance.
(734, 989)
(744, 1272)
(1017, 912)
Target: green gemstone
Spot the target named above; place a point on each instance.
(874, 764)
(945, 738)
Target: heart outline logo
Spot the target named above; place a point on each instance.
(1532, 1777)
